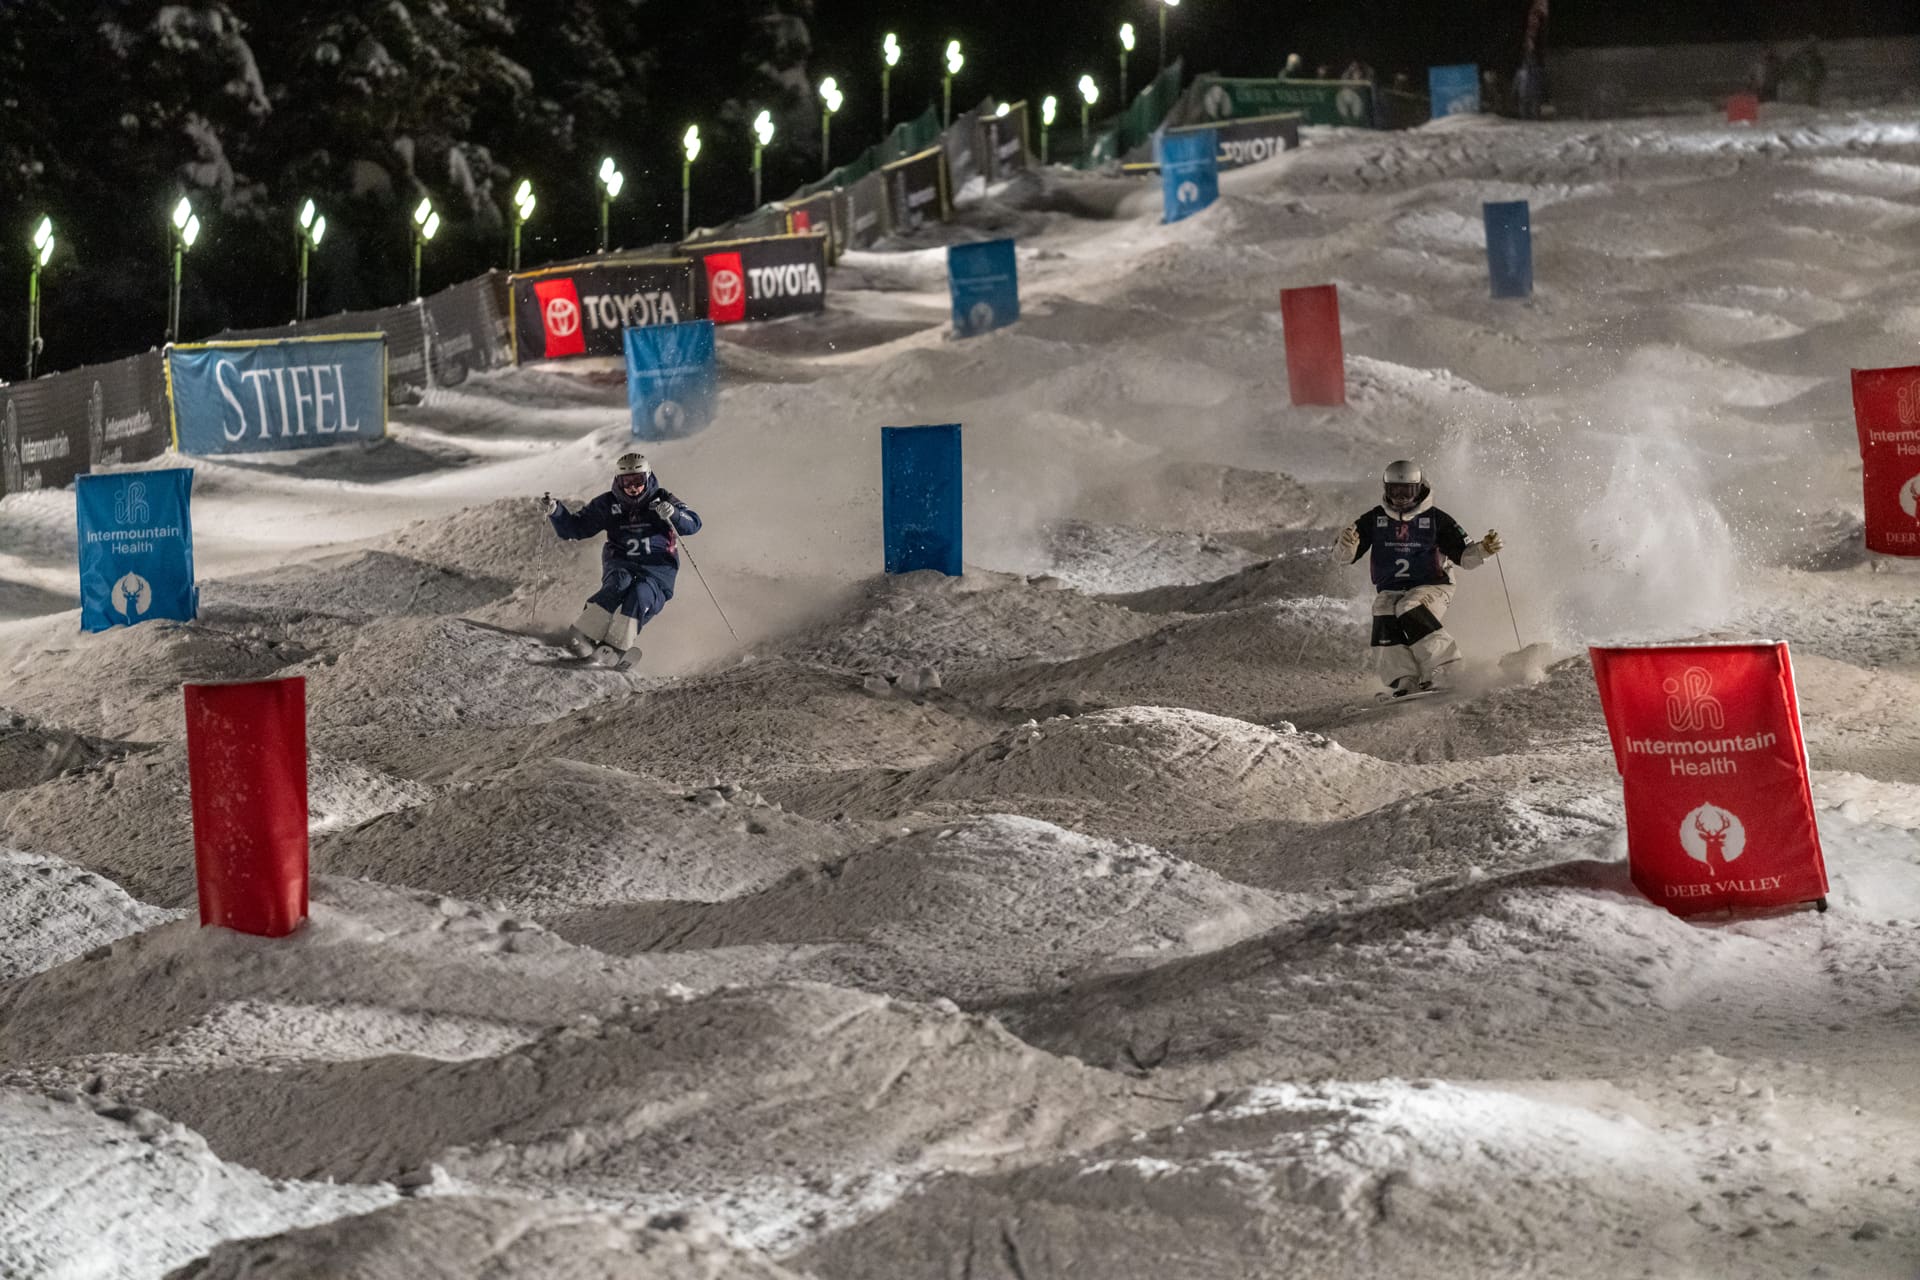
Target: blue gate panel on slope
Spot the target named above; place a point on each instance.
(1455, 91)
(1189, 172)
(920, 495)
(1510, 248)
(985, 282)
(673, 384)
(136, 547)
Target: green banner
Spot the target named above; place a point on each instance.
(1333, 102)
(1136, 123)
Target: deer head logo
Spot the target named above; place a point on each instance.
(1690, 701)
(1713, 836)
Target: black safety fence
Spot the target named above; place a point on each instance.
(65, 424)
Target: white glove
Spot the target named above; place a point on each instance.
(663, 509)
(1491, 544)
(1348, 542)
(548, 504)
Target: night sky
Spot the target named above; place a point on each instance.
(1020, 48)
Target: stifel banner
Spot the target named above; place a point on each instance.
(1708, 743)
(1886, 414)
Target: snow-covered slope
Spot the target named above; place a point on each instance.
(1065, 919)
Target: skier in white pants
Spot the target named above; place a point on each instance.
(1414, 546)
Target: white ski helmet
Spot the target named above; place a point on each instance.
(1403, 487)
(632, 464)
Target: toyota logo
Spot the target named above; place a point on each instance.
(727, 288)
(563, 317)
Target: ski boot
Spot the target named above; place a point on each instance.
(578, 644)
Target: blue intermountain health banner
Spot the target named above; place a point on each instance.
(1455, 91)
(1509, 248)
(136, 547)
(1189, 172)
(920, 498)
(673, 383)
(288, 393)
(985, 282)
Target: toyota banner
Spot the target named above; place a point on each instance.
(761, 279)
(1708, 743)
(581, 310)
(1886, 414)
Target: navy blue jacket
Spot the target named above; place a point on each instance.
(636, 538)
(1413, 552)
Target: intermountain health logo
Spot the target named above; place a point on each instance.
(727, 288)
(1713, 836)
(132, 597)
(1218, 103)
(669, 418)
(1188, 193)
(1690, 702)
(1350, 105)
(130, 504)
(1910, 498)
(980, 317)
(563, 317)
(1909, 402)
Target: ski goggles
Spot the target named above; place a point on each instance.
(630, 482)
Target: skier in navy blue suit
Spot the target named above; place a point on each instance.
(1414, 546)
(643, 524)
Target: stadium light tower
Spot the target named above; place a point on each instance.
(425, 223)
(610, 180)
(690, 143)
(1164, 6)
(762, 138)
(523, 203)
(184, 230)
(955, 61)
(313, 228)
(1089, 94)
(830, 100)
(42, 254)
(1126, 48)
(890, 55)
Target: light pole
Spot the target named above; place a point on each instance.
(425, 223)
(611, 180)
(523, 203)
(890, 51)
(42, 251)
(762, 136)
(313, 226)
(690, 142)
(1164, 6)
(1048, 110)
(1126, 48)
(830, 100)
(1089, 94)
(185, 230)
(954, 63)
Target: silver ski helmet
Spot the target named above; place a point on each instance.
(632, 475)
(1403, 487)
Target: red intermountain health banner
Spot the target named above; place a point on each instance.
(1707, 739)
(1886, 413)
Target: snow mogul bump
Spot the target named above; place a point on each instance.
(1414, 546)
(643, 524)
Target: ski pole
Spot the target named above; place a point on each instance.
(703, 582)
(1511, 617)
